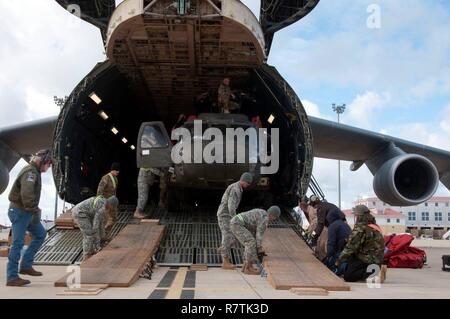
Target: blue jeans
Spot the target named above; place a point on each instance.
(331, 264)
(21, 222)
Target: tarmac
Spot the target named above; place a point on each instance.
(429, 282)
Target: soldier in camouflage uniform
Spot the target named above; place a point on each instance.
(227, 210)
(107, 188)
(249, 228)
(90, 215)
(365, 247)
(224, 94)
(146, 179)
(25, 215)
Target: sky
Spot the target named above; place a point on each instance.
(388, 61)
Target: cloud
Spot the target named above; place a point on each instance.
(42, 58)
(353, 184)
(362, 110)
(311, 108)
(445, 123)
(326, 49)
(45, 51)
(39, 105)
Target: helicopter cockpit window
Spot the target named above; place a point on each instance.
(153, 137)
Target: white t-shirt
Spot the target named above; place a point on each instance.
(300, 217)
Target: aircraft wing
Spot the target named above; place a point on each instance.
(21, 141)
(278, 14)
(339, 141)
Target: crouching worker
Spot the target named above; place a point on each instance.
(338, 233)
(365, 247)
(90, 215)
(249, 228)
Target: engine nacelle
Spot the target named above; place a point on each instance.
(406, 180)
(4, 177)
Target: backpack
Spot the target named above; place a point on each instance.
(399, 253)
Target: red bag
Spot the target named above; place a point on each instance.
(399, 253)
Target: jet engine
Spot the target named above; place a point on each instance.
(403, 179)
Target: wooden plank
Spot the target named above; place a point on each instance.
(121, 262)
(199, 267)
(309, 291)
(291, 264)
(80, 292)
(150, 221)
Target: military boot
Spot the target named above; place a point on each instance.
(227, 264)
(139, 214)
(248, 269)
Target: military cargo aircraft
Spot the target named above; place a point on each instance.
(165, 60)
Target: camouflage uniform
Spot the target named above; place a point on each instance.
(227, 210)
(146, 179)
(107, 188)
(224, 94)
(249, 228)
(90, 215)
(365, 247)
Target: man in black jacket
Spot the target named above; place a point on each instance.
(321, 234)
(338, 233)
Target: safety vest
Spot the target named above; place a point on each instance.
(96, 200)
(240, 218)
(113, 180)
(375, 227)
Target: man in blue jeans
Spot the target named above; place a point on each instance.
(25, 215)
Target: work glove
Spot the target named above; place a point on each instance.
(36, 218)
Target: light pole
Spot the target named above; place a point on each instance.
(339, 109)
(60, 103)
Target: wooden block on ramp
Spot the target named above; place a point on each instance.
(309, 291)
(199, 267)
(80, 292)
(150, 221)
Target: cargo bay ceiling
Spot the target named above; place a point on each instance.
(274, 15)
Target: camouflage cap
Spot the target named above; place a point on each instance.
(274, 211)
(113, 201)
(247, 177)
(361, 209)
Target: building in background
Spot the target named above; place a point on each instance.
(429, 218)
(389, 220)
(4, 232)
